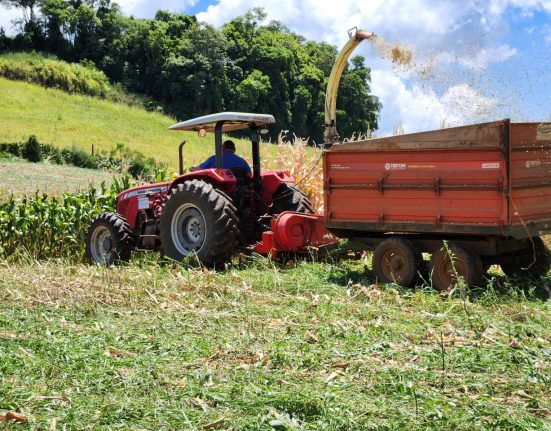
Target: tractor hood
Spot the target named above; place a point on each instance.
(143, 191)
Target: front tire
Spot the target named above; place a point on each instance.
(199, 221)
(109, 240)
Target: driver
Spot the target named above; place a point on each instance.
(229, 159)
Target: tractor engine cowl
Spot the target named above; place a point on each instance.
(132, 201)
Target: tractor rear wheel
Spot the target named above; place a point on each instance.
(109, 240)
(289, 198)
(449, 265)
(397, 260)
(199, 221)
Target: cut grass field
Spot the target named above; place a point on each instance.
(261, 347)
(20, 177)
(70, 120)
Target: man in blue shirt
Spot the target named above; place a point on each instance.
(229, 159)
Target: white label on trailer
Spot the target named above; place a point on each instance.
(491, 165)
(533, 163)
(395, 166)
(143, 203)
(339, 167)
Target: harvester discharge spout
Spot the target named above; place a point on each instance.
(356, 37)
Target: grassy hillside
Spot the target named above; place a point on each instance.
(67, 120)
(19, 177)
(53, 73)
(314, 347)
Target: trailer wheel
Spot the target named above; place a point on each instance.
(109, 240)
(397, 260)
(535, 261)
(289, 198)
(199, 221)
(450, 264)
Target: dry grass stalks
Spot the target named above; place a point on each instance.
(359, 137)
(303, 162)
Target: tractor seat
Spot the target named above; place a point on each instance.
(241, 176)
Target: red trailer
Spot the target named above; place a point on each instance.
(470, 196)
(484, 188)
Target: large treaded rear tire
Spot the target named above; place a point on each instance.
(109, 240)
(289, 198)
(199, 221)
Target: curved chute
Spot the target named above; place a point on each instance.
(330, 133)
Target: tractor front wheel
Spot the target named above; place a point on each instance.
(109, 240)
(199, 221)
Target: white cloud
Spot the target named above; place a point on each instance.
(147, 9)
(480, 58)
(6, 18)
(497, 7)
(547, 34)
(328, 20)
(419, 108)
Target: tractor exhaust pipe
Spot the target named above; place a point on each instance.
(181, 157)
(356, 37)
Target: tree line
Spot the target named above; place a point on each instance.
(190, 68)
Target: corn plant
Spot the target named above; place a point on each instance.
(42, 226)
(303, 163)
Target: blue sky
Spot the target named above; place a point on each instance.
(474, 60)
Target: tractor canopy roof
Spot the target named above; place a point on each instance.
(232, 121)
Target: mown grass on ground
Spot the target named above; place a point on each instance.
(71, 120)
(261, 347)
(20, 177)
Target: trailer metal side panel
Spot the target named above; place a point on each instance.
(485, 179)
(442, 190)
(530, 173)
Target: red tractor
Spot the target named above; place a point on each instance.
(206, 214)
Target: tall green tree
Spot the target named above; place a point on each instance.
(190, 68)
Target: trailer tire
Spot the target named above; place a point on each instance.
(448, 263)
(289, 198)
(535, 261)
(199, 221)
(397, 260)
(109, 240)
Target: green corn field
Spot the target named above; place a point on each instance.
(42, 226)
